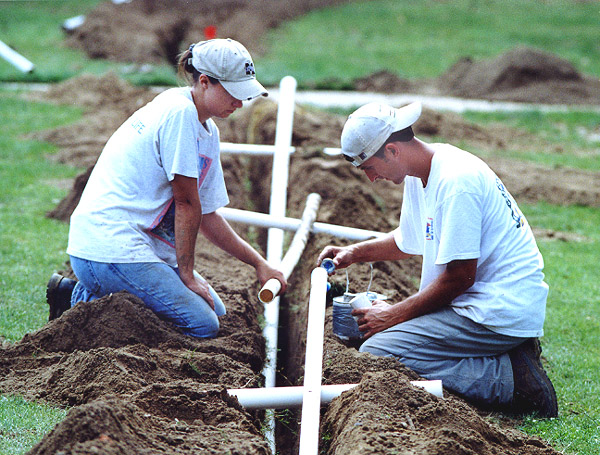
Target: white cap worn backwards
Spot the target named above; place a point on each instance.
(369, 127)
(230, 63)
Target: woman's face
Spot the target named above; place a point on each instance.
(212, 100)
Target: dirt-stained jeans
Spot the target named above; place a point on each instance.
(470, 359)
(159, 287)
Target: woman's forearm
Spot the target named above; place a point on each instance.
(188, 217)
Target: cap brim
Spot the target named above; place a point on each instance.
(406, 116)
(245, 90)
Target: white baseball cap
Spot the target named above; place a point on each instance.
(230, 63)
(369, 127)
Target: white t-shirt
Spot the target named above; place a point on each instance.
(126, 212)
(465, 212)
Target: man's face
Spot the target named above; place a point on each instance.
(384, 167)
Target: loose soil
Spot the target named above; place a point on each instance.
(134, 384)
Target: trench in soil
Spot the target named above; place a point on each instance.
(293, 305)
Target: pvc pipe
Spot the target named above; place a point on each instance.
(284, 397)
(313, 368)
(332, 151)
(15, 59)
(291, 397)
(73, 23)
(292, 224)
(279, 182)
(251, 149)
(272, 287)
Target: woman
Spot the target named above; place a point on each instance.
(157, 183)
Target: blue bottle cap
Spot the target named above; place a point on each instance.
(328, 265)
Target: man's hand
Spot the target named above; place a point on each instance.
(342, 256)
(383, 248)
(375, 319)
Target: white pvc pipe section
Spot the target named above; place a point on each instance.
(73, 23)
(251, 149)
(281, 162)
(291, 397)
(272, 287)
(313, 367)
(15, 59)
(279, 182)
(292, 224)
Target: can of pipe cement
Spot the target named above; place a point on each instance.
(345, 326)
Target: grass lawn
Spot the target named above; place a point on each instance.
(416, 39)
(31, 248)
(423, 38)
(572, 331)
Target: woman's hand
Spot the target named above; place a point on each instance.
(264, 272)
(200, 287)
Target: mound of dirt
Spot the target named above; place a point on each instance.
(150, 31)
(386, 414)
(521, 74)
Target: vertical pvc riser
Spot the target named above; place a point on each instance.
(283, 142)
(313, 368)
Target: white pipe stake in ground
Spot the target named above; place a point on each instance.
(292, 224)
(279, 182)
(281, 162)
(15, 59)
(291, 397)
(313, 367)
(291, 258)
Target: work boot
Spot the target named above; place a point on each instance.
(58, 294)
(533, 391)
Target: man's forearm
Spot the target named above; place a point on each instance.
(456, 279)
(379, 249)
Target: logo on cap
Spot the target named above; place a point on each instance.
(250, 69)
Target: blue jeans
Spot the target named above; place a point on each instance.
(159, 287)
(470, 359)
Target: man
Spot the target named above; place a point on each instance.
(481, 305)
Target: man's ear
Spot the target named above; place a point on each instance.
(391, 148)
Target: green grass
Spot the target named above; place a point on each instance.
(423, 38)
(572, 331)
(23, 424)
(333, 46)
(568, 139)
(31, 245)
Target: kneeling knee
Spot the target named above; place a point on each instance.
(373, 348)
(209, 329)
